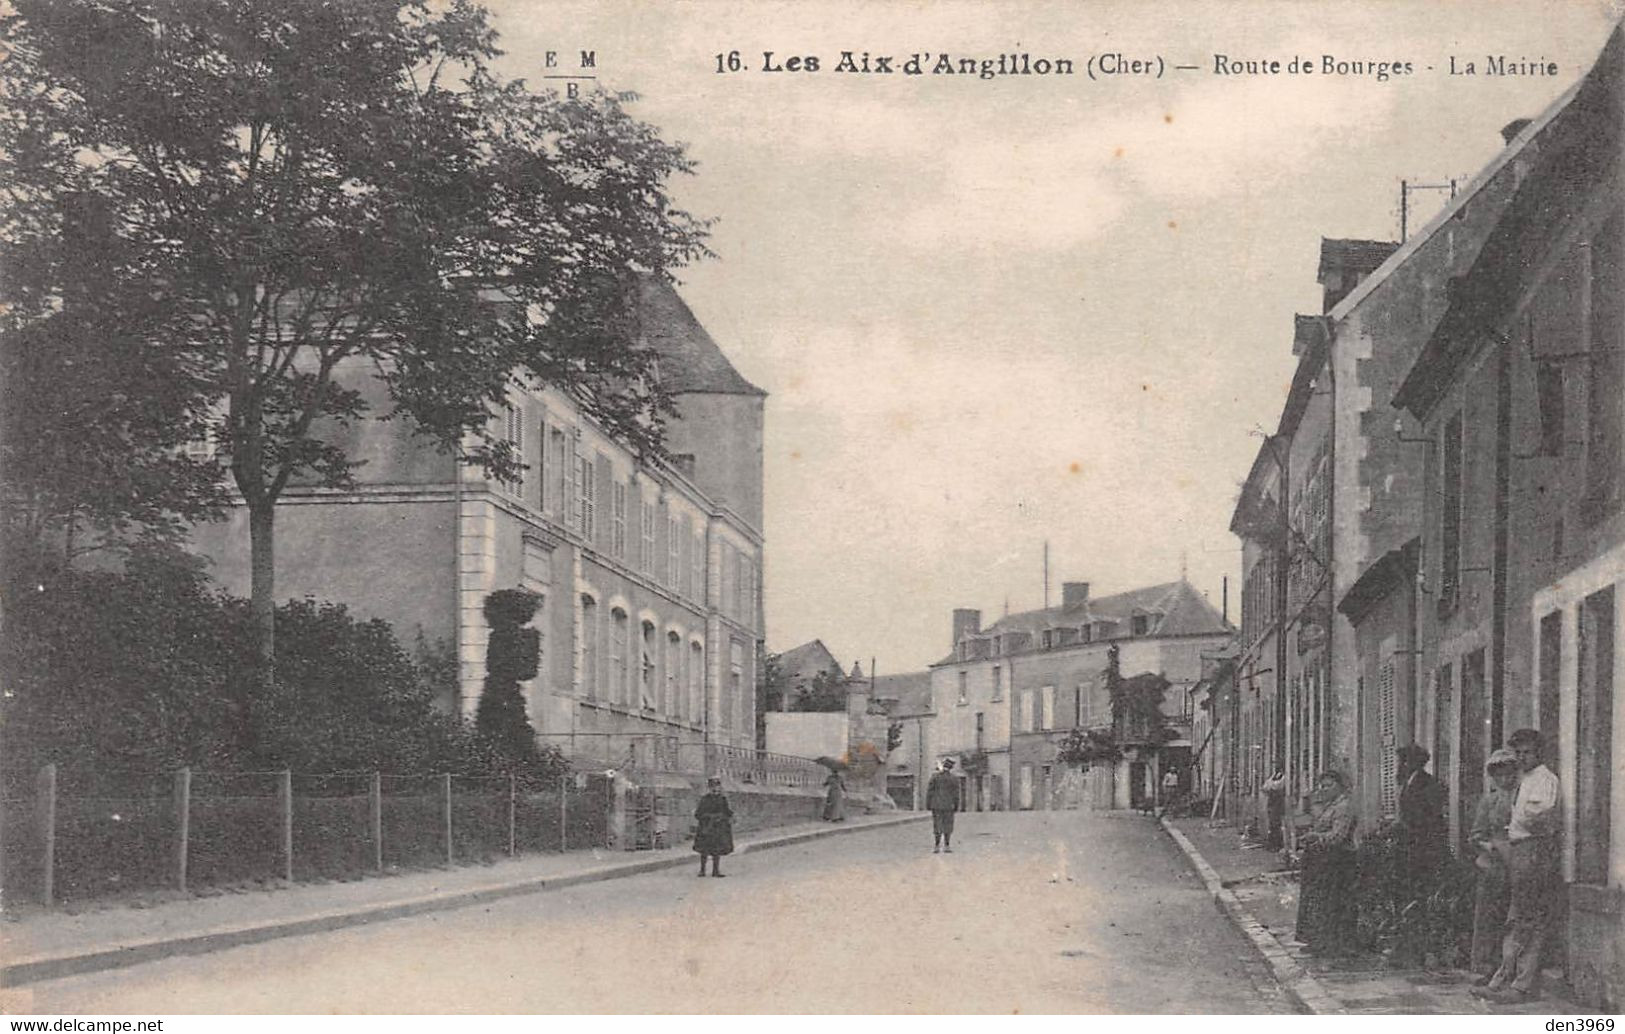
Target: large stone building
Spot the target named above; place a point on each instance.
(649, 572)
(1520, 566)
(1007, 694)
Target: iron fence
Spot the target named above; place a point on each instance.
(73, 834)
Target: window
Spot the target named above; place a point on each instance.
(541, 464)
(618, 631)
(1605, 380)
(736, 683)
(1142, 624)
(560, 484)
(696, 590)
(1450, 516)
(674, 552)
(514, 434)
(998, 683)
(964, 688)
(1047, 699)
(589, 647)
(981, 729)
(1048, 638)
(617, 520)
(646, 667)
(696, 682)
(672, 705)
(586, 495)
(1088, 633)
(1594, 734)
(1080, 700)
(646, 558)
(1029, 717)
(1549, 388)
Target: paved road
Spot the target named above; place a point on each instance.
(1044, 912)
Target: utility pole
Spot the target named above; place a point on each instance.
(1046, 574)
(1406, 189)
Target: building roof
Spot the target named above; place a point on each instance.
(807, 660)
(690, 361)
(905, 695)
(1174, 609)
(1576, 149)
(1348, 253)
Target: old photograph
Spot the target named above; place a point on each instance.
(718, 507)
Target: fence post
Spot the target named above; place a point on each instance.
(46, 802)
(512, 844)
(285, 792)
(564, 813)
(375, 801)
(447, 778)
(183, 823)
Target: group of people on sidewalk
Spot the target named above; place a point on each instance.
(1514, 839)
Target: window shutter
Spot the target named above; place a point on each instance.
(1387, 736)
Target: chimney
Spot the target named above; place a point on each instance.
(966, 622)
(1510, 131)
(1344, 263)
(1074, 594)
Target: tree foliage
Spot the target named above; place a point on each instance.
(138, 670)
(827, 692)
(297, 195)
(511, 657)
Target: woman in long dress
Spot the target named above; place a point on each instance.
(1327, 915)
(834, 798)
(714, 836)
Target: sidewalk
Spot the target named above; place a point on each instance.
(57, 944)
(1250, 887)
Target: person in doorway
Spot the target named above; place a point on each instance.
(715, 835)
(1533, 871)
(1170, 788)
(1275, 809)
(1421, 842)
(1490, 851)
(834, 798)
(1326, 909)
(942, 801)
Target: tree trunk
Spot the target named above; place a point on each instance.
(262, 594)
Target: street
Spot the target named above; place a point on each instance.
(1034, 912)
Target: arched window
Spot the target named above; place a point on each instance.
(673, 704)
(646, 667)
(617, 656)
(696, 683)
(590, 647)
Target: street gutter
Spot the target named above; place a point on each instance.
(1306, 992)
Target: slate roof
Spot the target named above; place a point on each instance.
(1174, 609)
(690, 361)
(1349, 253)
(807, 660)
(903, 695)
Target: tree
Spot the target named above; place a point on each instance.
(827, 693)
(305, 193)
(511, 657)
(772, 685)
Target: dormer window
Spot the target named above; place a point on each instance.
(1142, 624)
(1049, 639)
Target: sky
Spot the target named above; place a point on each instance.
(995, 313)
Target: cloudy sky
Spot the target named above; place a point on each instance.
(992, 313)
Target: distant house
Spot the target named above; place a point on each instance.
(1007, 695)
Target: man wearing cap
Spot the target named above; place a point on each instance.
(942, 800)
(1534, 871)
(1421, 848)
(1490, 850)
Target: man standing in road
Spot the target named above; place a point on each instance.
(1534, 872)
(942, 800)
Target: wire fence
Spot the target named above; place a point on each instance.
(75, 834)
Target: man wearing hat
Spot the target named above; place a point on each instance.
(1490, 850)
(942, 800)
(1421, 847)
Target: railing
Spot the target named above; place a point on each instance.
(83, 833)
(755, 767)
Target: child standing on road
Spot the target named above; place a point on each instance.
(715, 835)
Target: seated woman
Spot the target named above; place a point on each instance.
(1327, 917)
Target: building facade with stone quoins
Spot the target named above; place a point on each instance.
(649, 572)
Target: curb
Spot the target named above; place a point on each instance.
(1300, 985)
(35, 970)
